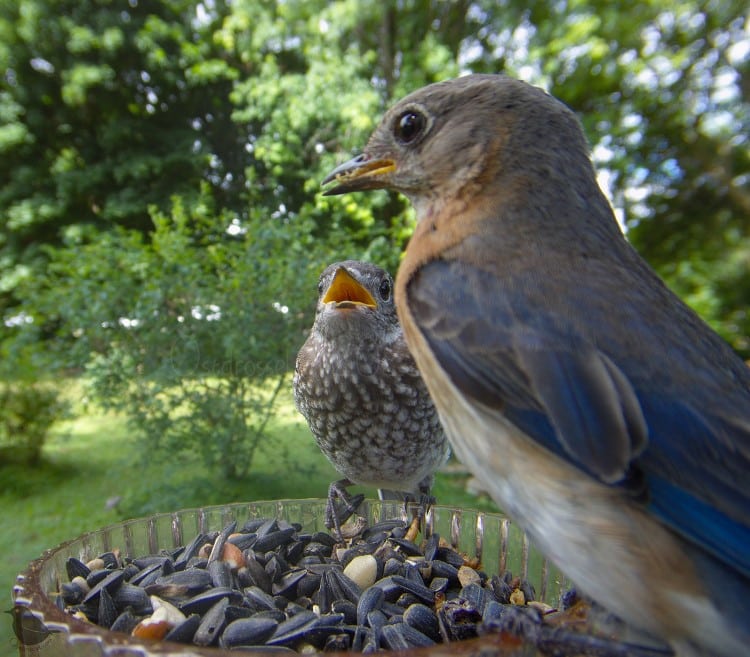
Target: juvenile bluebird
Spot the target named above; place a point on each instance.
(361, 393)
(600, 412)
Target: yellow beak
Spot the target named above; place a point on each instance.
(347, 292)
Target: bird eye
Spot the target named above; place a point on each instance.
(409, 126)
(385, 289)
(320, 288)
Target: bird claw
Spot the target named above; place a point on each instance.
(337, 515)
(419, 505)
(424, 502)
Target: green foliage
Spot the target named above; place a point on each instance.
(161, 167)
(104, 111)
(179, 331)
(86, 482)
(28, 412)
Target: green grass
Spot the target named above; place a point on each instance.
(93, 458)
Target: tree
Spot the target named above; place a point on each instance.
(183, 331)
(209, 126)
(106, 110)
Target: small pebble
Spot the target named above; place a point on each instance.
(151, 628)
(542, 607)
(468, 576)
(517, 597)
(233, 556)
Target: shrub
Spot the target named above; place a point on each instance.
(191, 331)
(27, 413)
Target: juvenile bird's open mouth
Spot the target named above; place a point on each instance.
(347, 292)
(357, 174)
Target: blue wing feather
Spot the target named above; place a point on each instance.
(614, 422)
(701, 523)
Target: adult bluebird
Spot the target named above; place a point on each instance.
(361, 393)
(600, 412)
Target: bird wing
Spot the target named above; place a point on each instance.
(569, 396)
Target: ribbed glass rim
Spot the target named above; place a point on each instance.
(41, 623)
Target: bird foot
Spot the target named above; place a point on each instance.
(337, 514)
(419, 506)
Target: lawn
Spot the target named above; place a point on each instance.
(93, 475)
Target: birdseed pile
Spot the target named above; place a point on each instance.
(269, 586)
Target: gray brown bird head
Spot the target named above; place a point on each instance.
(355, 297)
(452, 137)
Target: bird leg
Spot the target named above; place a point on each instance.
(337, 515)
(423, 503)
(424, 499)
(420, 504)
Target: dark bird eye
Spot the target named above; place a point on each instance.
(320, 288)
(385, 289)
(409, 126)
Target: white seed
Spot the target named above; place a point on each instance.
(81, 583)
(95, 564)
(166, 611)
(363, 570)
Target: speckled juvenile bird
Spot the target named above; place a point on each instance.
(600, 412)
(361, 393)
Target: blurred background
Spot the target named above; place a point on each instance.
(162, 231)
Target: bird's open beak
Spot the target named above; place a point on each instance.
(346, 292)
(358, 174)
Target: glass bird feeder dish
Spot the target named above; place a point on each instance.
(45, 629)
